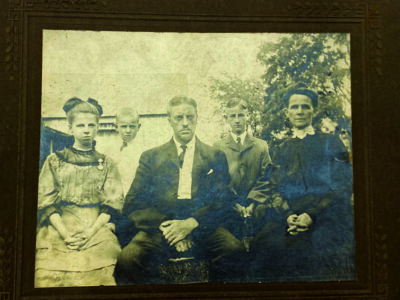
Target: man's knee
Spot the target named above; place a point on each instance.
(131, 255)
(222, 242)
(139, 251)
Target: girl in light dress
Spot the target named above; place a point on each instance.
(80, 192)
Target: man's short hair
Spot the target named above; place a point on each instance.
(236, 102)
(301, 89)
(178, 100)
(128, 112)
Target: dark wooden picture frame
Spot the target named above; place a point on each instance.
(374, 78)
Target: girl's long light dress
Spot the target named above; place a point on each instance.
(79, 186)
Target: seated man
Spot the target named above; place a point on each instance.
(175, 201)
(312, 237)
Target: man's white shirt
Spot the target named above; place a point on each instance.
(185, 173)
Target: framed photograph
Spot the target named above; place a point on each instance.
(190, 151)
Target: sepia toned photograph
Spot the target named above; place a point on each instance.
(174, 158)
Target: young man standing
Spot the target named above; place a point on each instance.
(248, 159)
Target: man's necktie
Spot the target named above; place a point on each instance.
(238, 140)
(124, 144)
(182, 155)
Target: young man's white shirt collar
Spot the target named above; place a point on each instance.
(302, 133)
(185, 173)
(242, 137)
(128, 146)
(128, 161)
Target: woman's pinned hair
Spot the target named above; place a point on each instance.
(77, 105)
(301, 89)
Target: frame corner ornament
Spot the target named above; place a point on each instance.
(369, 11)
(80, 5)
(16, 11)
(12, 39)
(6, 252)
(375, 49)
(327, 9)
(380, 263)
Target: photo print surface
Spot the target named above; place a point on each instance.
(194, 157)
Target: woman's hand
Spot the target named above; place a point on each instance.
(75, 242)
(292, 225)
(303, 222)
(80, 239)
(71, 241)
(299, 223)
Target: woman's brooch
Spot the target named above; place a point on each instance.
(101, 164)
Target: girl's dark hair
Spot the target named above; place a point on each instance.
(76, 105)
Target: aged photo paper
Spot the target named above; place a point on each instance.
(261, 190)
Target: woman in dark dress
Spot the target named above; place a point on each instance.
(311, 238)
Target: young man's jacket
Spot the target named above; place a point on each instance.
(248, 163)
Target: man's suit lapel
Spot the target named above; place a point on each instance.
(248, 143)
(232, 144)
(199, 162)
(171, 154)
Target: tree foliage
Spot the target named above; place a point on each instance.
(318, 60)
(321, 61)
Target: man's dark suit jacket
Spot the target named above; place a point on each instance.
(152, 197)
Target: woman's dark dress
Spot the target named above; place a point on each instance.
(313, 175)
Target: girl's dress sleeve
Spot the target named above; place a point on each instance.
(48, 191)
(112, 189)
